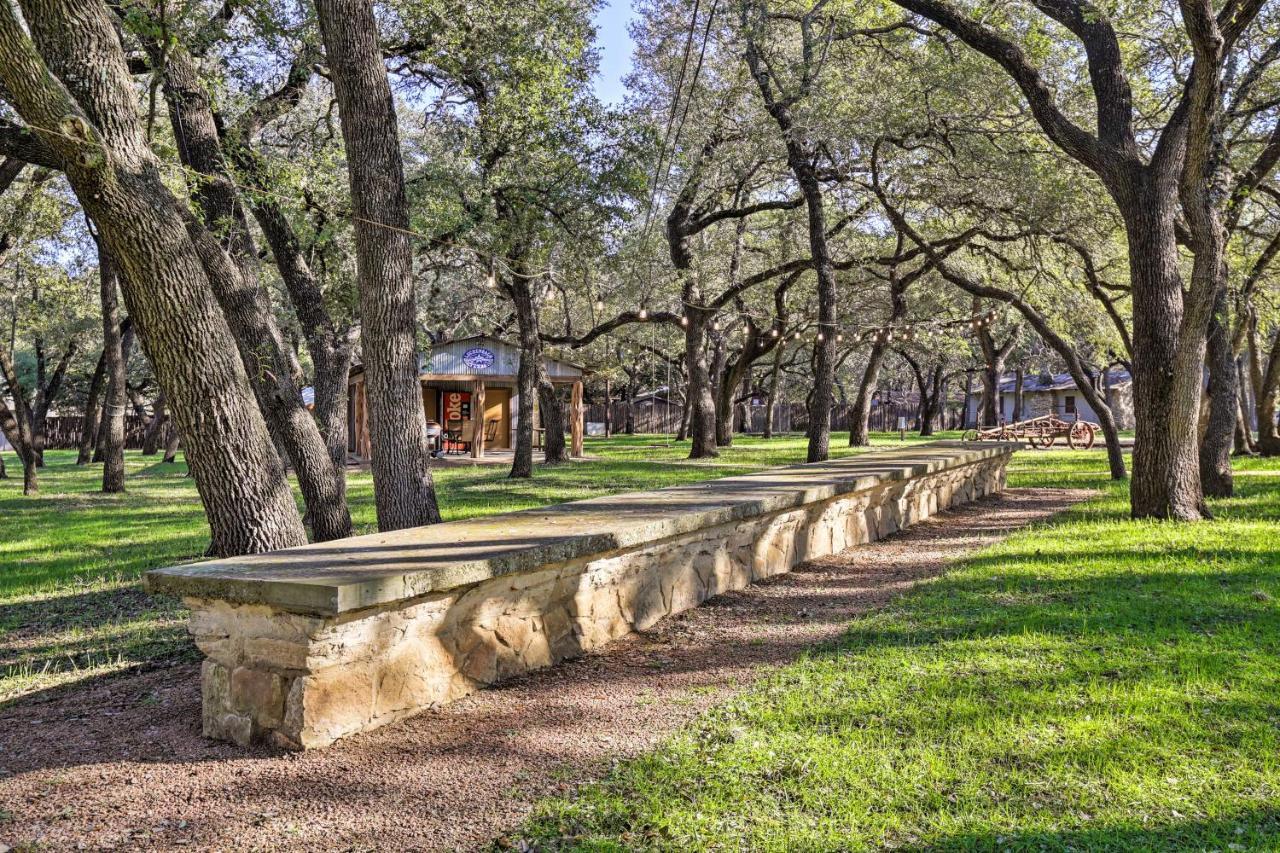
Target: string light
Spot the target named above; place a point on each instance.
(773, 333)
(684, 321)
(644, 314)
(599, 304)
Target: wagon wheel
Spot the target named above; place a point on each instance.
(970, 435)
(1080, 436)
(1046, 440)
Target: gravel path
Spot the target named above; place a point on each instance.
(120, 763)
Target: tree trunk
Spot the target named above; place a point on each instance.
(968, 401)
(118, 181)
(171, 445)
(527, 385)
(860, 427)
(702, 404)
(551, 407)
(92, 413)
(824, 361)
(771, 400)
(159, 417)
(116, 401)
(1166, 369)
(1018, 377)
(1219, 435)
(272, 368)
(332, 370)
(11, 425)
(403, 489)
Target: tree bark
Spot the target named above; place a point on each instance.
(1168, 355)
(92, 413)
(527, 384)
(553, 419)
(702, 404)
(1266, 393)
(171, 446)
(403, 489)
(1219, 435)
(159, 417)
(273, 370)
(87, 91)
(1018, 380)
(11, 425)
(116, 401)
(771, 400)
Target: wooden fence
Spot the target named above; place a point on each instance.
(63, 432)
(663, 417)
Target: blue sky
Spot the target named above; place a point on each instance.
(615, 49)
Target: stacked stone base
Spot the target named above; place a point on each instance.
(303, 681)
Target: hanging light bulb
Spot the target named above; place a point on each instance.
(819, 337)
(644, 313)
(840, 338)
(773, 333)
(599, 304)
(684, 321)
(715, 325)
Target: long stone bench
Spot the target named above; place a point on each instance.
(310, 644)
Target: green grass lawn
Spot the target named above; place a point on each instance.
(1091, 683)
(70, 558)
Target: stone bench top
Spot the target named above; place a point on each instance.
(331, 578)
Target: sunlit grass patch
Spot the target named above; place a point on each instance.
(1092, 683)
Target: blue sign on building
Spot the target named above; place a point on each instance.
(478, 358)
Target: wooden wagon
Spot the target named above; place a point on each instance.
(1040, 432)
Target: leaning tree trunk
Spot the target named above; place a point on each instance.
(92, 413)
(403, 489)
(10, 425)
(332, 370)
(860, 427)
(272, 368)
(116, 399)
(118, 181)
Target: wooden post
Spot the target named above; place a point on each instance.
(477, 419)
(576, 410)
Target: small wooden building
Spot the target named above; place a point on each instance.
(470, 384)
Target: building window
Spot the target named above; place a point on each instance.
(1069, 404)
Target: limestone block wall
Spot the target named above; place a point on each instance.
(305, 680)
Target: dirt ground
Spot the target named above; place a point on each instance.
(120, 763)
